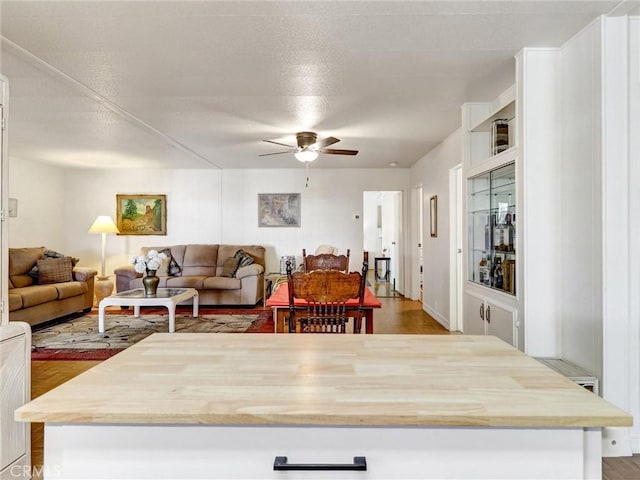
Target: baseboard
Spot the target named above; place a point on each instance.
(436, 316)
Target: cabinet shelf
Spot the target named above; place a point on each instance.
(491, 212)
(503, 107)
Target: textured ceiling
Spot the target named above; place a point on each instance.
(198, 84)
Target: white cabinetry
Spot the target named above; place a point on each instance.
(484, 316)
(15, 384)
(492, 211)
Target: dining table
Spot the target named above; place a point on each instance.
(279, 302)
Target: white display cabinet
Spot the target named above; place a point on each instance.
(492, 302)
(491, 222)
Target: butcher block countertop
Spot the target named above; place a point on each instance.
(350, 380)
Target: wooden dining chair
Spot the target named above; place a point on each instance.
(325, 261)
(324, 295)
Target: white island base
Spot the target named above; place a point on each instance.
(244, 452)
(224, 406)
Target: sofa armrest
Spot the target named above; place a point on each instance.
(253, 269)
(127, 271)
(83, 274)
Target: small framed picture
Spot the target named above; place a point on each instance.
(141, 214)
(278, 210)
(433, 216)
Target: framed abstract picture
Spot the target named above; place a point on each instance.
(278, 210)
(141, 214)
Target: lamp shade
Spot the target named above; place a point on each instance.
(306, 155)
(104, 224)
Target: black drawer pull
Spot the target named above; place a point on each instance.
(359, 464)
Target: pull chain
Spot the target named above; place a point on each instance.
(306, 185)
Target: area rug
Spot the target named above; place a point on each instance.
(78, 338)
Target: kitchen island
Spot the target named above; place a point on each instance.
(414, 406)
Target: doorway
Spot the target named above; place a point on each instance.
(382, 231)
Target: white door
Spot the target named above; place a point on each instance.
(456, 280)
(501, 322)
(419, 202)
(474, 313)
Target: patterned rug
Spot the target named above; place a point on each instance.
(78, 338)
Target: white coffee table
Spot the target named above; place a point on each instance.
(165, 297)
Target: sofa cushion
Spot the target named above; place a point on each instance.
(15, 302)
(201, 260)
(20, 281)
(230, 266)
(70, 289)
(55, 270)
(192, 281)
(21, 260)
(36, 294)
(222, 283)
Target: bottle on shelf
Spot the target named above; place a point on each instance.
(499, 136)
(498, 239)
(487, 234)
(508, 234)
(483, 266)
(498, 277)
(487, 272)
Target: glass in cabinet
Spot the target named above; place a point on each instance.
(492, 228)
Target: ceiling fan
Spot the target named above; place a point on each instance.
(309, 146)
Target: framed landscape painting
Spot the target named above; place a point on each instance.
(141, 214)
(278, 210)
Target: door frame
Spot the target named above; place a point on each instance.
(456, 248)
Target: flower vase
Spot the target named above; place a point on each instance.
(150, 283)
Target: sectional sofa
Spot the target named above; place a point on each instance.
(58, 288)
(208, 269)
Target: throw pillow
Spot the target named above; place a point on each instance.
(173, 269)
(55, 270)
(230, 267)
(244, 258)
(48, 254)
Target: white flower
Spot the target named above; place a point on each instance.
(151, 261)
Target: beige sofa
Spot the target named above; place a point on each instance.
(36, 303)
(201, 267)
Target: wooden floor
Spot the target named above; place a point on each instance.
(397, 315)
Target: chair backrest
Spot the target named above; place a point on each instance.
(324, 294)
(325, 261)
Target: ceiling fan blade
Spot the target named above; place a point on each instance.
(336, 151)
(325, 142)
(281, 144)
(275, 153)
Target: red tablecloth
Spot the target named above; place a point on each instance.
(280, 298)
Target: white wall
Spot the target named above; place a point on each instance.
(580, 206)
(203, 206)
(634, 228)
(328, 206)
(432, 173)
(40, 191)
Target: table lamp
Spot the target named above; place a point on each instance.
(103, 285)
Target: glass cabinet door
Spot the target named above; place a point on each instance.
(491, 229)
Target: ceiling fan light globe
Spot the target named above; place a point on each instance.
(306, 156)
